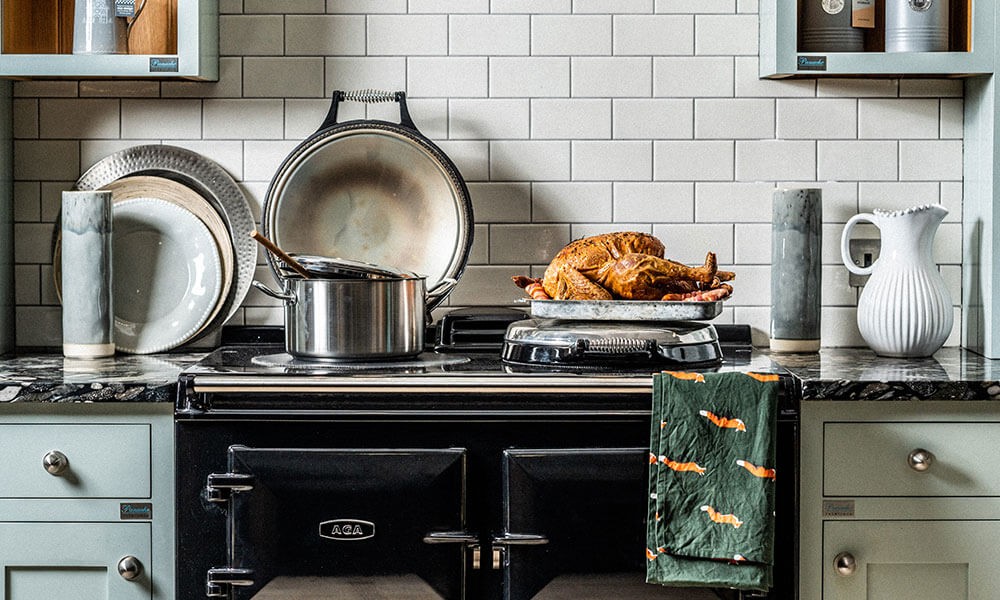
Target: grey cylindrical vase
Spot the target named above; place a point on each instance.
(796, 269)
(87, 317)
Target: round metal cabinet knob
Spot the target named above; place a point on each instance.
(920, 459)
(844, 564)
(55, 462)
(130, 568)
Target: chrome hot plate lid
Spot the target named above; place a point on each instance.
(559, 342)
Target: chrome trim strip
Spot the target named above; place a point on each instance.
(411, 389)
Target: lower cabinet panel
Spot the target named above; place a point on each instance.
(73, 561)
(916, 560)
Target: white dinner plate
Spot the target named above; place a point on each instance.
(167, 275)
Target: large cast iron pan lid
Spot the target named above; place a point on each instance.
(372, 191)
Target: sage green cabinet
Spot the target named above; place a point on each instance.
(86, 501)
(899, 500)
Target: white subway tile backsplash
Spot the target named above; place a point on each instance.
(952, 118)
(689, 243)
(358, 73)
(733, 202)
(489, 35)
(46, 159)
(534, 77)
(566, 118)
(571, 35)
(775, 160)
(501, 202)
(616, 160)
(251, 35)
(656, 118)
(613, 6)
(897, 118)
(577, 118)
(653, 202)
(414, 35)
(531, 6)
(608, 77)
(448, 77)
(731, 118)
(78, 118)
(243, 119)
(857, 160)
(693, 161)
(727, 35)
(695, 76)
(159, 119)
(934, 160)
(570, 202)
(817, 118)
(488, 119)
(529, 161)
(656, 35)
(325, 35)
(695, 6)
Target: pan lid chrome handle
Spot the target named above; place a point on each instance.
(442, 287)
(368, 96)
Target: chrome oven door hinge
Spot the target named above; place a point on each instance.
(220, 486)
(220, 581)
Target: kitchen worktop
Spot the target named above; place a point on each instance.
(831, 374)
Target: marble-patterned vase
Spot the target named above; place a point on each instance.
(87, 315)
(796, 275)
(905, 309)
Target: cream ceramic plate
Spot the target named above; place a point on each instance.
(167, 275)
(150, 186)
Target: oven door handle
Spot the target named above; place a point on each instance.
(450, 537)
(520, 539)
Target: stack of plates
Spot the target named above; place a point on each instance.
(183, 258)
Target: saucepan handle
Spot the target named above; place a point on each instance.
(368, 96)
(845, 244)
(289, 298)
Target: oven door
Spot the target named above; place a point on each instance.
(574, 526)
(332, 523)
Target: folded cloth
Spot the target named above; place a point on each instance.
(711, 480)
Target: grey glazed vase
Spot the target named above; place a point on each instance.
(796, 269)
(87, 316)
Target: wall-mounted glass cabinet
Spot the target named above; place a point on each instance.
(815, 38)
(166, 39)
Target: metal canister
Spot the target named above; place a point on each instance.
(916, 26)
(826, 27)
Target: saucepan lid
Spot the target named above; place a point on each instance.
(374, 191)
(326, 267)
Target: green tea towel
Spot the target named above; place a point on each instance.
(711, 480)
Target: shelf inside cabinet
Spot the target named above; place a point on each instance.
(784, 53)
(167, 39)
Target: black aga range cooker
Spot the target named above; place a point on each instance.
(452, 475)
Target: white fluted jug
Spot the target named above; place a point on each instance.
(905, 309)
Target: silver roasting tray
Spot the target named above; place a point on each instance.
(625, 310)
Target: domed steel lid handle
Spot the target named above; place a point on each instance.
(844, 564)
(55, 462)
(130, 568)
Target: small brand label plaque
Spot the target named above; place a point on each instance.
(163, 64)
(838, 508)
(811, 63)
(129, 511)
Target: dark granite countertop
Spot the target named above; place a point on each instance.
(831, 374)
(122, 378)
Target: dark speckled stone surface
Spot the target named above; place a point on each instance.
(123, 378)
(832, 374)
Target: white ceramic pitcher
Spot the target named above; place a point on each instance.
(905, 308)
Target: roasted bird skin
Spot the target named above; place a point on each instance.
(623, 265)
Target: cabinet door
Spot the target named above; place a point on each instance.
(916, 560)
(73, 561)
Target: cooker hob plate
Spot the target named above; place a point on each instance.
(423, 361)
(611, 344)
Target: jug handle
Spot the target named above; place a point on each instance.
(845, 244)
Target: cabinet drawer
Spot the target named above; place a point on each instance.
(58, 561)
(873, 459)
(104, 461)
(897, 559)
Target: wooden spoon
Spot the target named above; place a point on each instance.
(288, 260)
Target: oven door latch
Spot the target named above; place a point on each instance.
(221, 580)
(220, 486)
